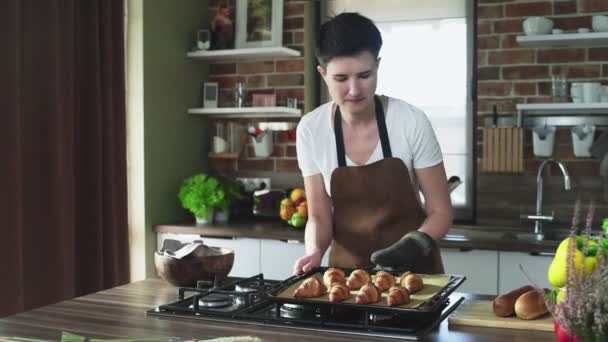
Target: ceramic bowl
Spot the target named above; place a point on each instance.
(202, 264)
(537, 25)
(599, 23)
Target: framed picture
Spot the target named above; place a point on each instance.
(259, 23)
(222, 28)
(210, 94)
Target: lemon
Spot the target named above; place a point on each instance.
(590, 263)
(557, 271)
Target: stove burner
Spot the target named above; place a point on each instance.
(215, 301)
(243, 288)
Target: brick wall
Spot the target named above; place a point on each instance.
(282, 77)
(509, 74)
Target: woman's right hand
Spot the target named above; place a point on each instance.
(308, 262)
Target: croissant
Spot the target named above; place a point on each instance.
(412, 282)
(384, 281)
(333, 275)
(397, 295)
(368, 294)
(357, 279)
(338, 292)
(310, 288)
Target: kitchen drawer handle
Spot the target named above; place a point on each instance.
(549, 254)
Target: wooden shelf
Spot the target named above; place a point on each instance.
(248, 112)
(243, 54)
(225, 155)
(566, 39)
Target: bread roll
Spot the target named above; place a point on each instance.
(357, 279)
(411, 281)
(338, 292)
(397, 295)
(504, 305)
(531, 305)
(384, 281)
(310, 288)
(333, 275)
(368, 294)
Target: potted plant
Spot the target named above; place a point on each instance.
(580, 306)
(233, 191)
(201, 194)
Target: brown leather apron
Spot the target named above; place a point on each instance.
(374, 205)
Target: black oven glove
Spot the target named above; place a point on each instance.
(405, 252)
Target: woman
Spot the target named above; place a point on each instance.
(363, 158)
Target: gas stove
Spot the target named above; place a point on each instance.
(246, 301)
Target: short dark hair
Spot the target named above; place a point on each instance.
(347, 34)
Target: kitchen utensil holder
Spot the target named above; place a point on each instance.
(262, 145)
(581, 146)
(543, 139)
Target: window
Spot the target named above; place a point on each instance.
(426, 60)
(423, 63)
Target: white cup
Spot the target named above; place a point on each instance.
(543, 139)
(262, 145)
(582, 138)
(604, 96)
(219, 145)
(592, 92)
(576, 92)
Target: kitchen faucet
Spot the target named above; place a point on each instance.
(539, 218)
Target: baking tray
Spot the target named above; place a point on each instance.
(430, 299)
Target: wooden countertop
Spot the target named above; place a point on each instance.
(460, 236)
(120, 313)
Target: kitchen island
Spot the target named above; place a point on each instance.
(120, 313)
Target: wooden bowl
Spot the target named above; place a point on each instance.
(203, 264)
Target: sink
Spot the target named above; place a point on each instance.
(548, 236)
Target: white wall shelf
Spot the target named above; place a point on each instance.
(245, 54)
(248, 112)
(566, 39)
(564, 108)
(562, 114)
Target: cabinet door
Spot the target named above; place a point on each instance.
(480, 268)
(246, 254)
(278, 258)
(535, 266)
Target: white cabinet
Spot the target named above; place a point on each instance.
(480, 268)
(510, 277)
(246, 254)
(278, 257)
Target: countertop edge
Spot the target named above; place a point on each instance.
(277, 230)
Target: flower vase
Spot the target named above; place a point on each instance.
(208, 219)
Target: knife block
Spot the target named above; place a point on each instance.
(502, 150)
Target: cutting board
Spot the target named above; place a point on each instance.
(479, 313)
(502, 150)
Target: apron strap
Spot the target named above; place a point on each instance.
(382, 131)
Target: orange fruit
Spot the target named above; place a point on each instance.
(303, 209)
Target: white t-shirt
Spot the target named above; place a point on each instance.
(410, 133)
